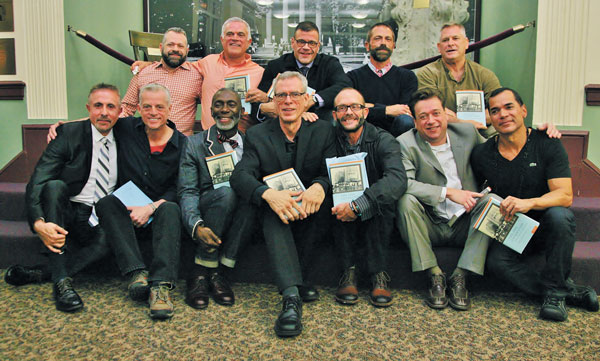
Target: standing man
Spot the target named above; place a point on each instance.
(290, 227)
(455, 72)
(531, 172)
(179, 76)
(214, 217)
(151, 147)
(323, 72)
(440, 182)
(367, 219)
(75, 171)
(387, 88)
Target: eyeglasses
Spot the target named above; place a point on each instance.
(311, 44)
(344, 108)
(293, 95)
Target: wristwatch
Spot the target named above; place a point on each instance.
(316, 100)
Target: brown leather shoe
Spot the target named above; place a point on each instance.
(459, 296)
(380, 294)
(436, 297)
(220, 290)
(347, 293)
(197, 292)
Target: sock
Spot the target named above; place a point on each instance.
(459, 271)
(291, 291)
(435, 271)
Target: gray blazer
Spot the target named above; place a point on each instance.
(425, 174)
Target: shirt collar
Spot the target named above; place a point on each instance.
(96, 136)
(442, 147)
(161, 64)
(384, 70)
(300, 65)
(247, 59)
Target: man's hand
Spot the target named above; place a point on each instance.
(52, 131)
(451, 116)
(282, 203)
(343, 212)
(140, 215)
(550, 129)
(465, 198)
(208, 237)
(312, 198)
(52, 235)
(512, 205)
(397, 109)
(475, 123)
(268, 109)
(309, 117)
(140, 65)
(256, 96)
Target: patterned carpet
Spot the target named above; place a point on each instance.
(500, 326)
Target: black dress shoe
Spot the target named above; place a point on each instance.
(584, 297)
(459, 296)
(197, 292)
(289, 322)
(220, 289)
(553, 309)
(67, 300)
(308, 293)
(436, 297)
(18, 275)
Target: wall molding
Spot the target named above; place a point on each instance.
(12, 90)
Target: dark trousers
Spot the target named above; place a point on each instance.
(291, 246)
(401, 124)
(231, 219)
(371, 237)
(84, 244)
(555, 237)
(164, 230)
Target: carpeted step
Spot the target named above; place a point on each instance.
(12, 201)
(18, 244)
(587, 216)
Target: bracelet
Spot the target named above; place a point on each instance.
(152, 206)
(354, 208)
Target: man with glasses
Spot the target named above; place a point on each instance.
(368, 219)
(324, 73)
(292, 220)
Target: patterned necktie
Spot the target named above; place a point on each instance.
(304, 70)
(102, 176)
(221, 138)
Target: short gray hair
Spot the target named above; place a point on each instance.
(291, 74)
(460, 26)
(174, 30)
(154, 87)
(235, 19)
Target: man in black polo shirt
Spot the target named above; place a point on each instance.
(151, 147)
(531, 172)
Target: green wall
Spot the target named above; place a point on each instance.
(108, 21)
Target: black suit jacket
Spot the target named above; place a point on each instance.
(67, 158)
(264, 152)
(326, 76)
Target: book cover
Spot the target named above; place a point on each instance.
(131, 196)
(241, 85)
(220, 167)
(348, 177)
(514, 234)
(470, 105)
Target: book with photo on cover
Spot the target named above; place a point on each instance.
(287, 179)
(240, 85)
(348, 177)
(470, 105)
(220, 167)
(514, 234)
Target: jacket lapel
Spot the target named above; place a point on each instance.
(303, 136)
(428, 155)
(276, 137)
(213, 145)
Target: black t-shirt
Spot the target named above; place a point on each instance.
(527, 175)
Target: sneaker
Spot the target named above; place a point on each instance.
(138, 285)
(161, 305)
(584, 297)
(553, 309)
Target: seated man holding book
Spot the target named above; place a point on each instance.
(212, 214)
(365, 218)
(531, 172)
(292, 219)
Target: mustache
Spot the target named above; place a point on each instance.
(175, 52)
(383, 47)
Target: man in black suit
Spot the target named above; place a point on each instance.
(291, 219)
(324, 73)
(76, 169)
(213, 216)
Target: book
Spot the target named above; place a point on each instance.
(463, 210)
(131, 196)
(240, 85)
(470, 105)
(220, 167)
(287, 179)
(514, 234)
(348, 177)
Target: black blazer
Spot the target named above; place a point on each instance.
(67, 158)
(264, 151)
(326, 76)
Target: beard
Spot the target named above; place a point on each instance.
(173, 63)
(225, 127)
(361, 121)
(381, 57)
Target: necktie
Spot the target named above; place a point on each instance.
(380, 72)
(304, 70)
(102, 176)
(221, 138)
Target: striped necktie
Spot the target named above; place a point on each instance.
(102, 176)
(304, 70)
